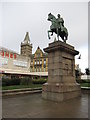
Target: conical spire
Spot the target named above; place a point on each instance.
(38, 47)
(27, 39)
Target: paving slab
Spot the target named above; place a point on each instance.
(33, 106)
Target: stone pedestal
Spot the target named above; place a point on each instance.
(61, 83)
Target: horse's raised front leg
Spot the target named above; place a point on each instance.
(52, 33)
(48, 34)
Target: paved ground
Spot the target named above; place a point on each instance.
(33, 106)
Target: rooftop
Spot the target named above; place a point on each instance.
(7, 50)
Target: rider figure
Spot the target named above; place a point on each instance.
(60, 22)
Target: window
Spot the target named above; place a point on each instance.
(35, 62)
(35, 69)
(3, 61)
(40, 61)
(40, 69)
(38, 55)
(20, 63)
(44, 69)
(44, 61)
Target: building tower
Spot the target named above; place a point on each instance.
(26, 47)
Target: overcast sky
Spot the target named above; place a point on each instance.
(21, 17)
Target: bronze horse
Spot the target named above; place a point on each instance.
(55, 27)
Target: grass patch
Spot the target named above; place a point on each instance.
(21, 86)
(85, 84)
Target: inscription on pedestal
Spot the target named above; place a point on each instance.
(67, 66)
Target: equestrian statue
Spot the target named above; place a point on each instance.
(57, 26)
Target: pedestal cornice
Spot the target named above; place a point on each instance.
(59, 45)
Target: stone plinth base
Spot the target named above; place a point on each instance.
(60, 92)
(61, 83)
